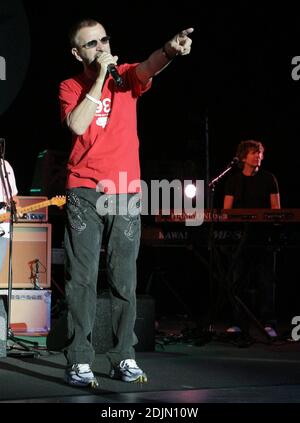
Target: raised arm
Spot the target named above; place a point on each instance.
(82, 115)
(179, 45)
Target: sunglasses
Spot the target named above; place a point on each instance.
(93, 43)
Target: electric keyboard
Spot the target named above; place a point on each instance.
(261, 226)
(232, 215)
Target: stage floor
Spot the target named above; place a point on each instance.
(179, 371)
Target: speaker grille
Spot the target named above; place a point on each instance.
(144, 326)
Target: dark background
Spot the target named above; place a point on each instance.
(238, 76)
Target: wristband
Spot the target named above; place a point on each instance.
(93, 99)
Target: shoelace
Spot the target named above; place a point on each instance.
(82, 368)
(130, 363)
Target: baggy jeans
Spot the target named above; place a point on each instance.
(85, 230)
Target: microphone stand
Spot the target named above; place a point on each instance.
(217, 179)
(26, 351)
(211, 239)
(36, 281)
(37, 277)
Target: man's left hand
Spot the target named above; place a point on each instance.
(180, 44)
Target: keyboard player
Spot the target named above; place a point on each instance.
(250, 186)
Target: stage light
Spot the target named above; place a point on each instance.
(190, 190)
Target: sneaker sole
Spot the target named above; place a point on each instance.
(92, 384)
(140, 379)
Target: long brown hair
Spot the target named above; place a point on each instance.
(245, 146)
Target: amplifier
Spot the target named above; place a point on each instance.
(39, 215)
(102, 335)
(30, 310)
(31, 257)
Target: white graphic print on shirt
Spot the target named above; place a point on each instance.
(102, 112)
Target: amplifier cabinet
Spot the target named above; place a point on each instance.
(30, 310)
(36, 216)
(31, 257)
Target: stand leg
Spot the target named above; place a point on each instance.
(252, 317)
(12, 351)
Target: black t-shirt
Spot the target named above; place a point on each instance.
(251, 191)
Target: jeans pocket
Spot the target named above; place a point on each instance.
(76, 212)
(133, 227)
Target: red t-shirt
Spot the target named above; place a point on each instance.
(110, 145)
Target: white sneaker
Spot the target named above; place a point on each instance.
(271, 332)
(80, 375)
(234, 329)
(128, 371)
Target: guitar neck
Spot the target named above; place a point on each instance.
(33, 207)
(55, 201)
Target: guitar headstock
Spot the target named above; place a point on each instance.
(59, 200)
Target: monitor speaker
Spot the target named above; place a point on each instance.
(144, 326)
(50, 173)
(102, 335)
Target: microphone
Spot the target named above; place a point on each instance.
(234, 161)
(2, 147)
(35, 261)
(112, 70)
(36, 281)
